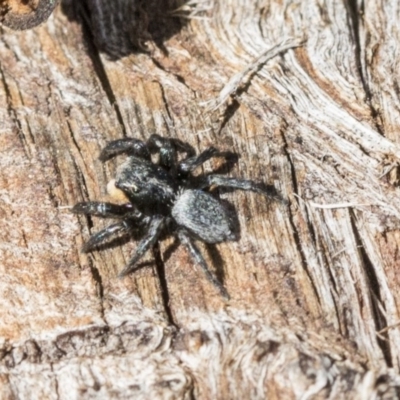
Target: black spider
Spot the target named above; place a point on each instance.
(166, 196)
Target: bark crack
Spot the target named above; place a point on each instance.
(13, 113)
(375, 293)
(165, 103)
(56, 386)
(354, 23)
(295, 231)
(160, 267)
(93, 269)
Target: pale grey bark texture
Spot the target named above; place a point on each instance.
(315, 293)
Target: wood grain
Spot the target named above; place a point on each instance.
(314, 287)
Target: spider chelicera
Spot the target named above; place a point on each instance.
(166, 196)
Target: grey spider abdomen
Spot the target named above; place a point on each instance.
(204, 216)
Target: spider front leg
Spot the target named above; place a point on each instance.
(128, 146)
(105, 235)
(109, 210)
(196, 254)
(168, 149)
(241, 184)
(106, 210)
(155, 228)
(191, 163)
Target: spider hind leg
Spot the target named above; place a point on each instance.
(198, 257)
(154, 230)
(242, 184)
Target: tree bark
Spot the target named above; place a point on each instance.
(314, 308)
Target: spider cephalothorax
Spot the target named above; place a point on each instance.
(166, 196)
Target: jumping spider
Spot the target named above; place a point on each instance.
(166, 196)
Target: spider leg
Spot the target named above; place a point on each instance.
(191, 163)
(106, 234)
(168, 149)
(196, 254)
(241, 184)
(155, 227)
(158, 142)
(183, 147)
(106, 210)
(128, 146)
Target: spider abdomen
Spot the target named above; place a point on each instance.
(203, 215)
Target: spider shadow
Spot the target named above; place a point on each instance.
(171, 249)
(231, 159)
(233, 216)
(121, 241)
(119, 28)
(217, 261)
(212, 251)
(117, 241)
(270, 193)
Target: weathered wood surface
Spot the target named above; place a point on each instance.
(314, 285)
